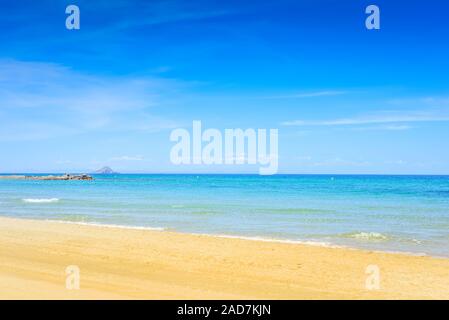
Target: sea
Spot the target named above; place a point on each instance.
(408, 214)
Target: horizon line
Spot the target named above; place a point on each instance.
(230, 174)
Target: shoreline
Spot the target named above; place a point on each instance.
(125, 262)
(240, 237)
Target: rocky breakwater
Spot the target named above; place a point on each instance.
(50, 177)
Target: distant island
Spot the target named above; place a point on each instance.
(105, 170)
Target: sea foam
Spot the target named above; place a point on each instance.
(48, 200)
(102, 225)
(367, 236)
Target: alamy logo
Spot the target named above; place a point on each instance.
(372, 22)
(72, 281)
(236, 148)
(372, 281)
(73, 20)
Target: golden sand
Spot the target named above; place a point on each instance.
(118, 263)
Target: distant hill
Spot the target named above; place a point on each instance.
(105, 170)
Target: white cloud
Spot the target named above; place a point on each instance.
(381, 118)
(300, 95)
(43, 100)
(435, 101)
(127, 158)
(339, 162)
(64, 162)
(393, 127)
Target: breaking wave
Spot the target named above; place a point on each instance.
(367, 236)
(49, 200)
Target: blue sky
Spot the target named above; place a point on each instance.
(345, 99)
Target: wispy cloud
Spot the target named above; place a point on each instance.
(394, 127)
(299, 95)
(308, 161)
(154, 13)
(435, 101)
(41, 100)
(128, 158)
(381, 118)
(173, 16)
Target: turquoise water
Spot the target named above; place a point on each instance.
(390, 213)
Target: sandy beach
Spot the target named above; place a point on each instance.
(118, 263)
